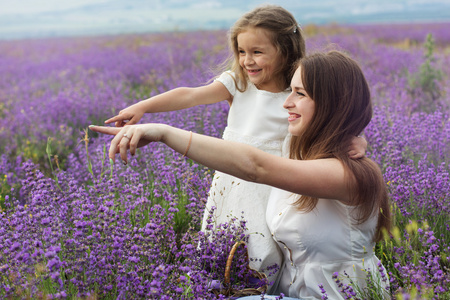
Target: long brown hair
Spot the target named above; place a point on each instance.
(343, 109)
(285, 34)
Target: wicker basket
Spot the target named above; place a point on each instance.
(228, 291)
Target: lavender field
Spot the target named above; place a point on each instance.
(74, 227)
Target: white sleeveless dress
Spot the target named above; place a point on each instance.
(317, 244)
(256, 118)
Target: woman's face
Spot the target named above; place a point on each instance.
(299, 105)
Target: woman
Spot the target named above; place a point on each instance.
(327, 210)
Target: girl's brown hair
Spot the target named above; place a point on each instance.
(284, 33)
(343, 109)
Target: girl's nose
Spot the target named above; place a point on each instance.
(249, 60)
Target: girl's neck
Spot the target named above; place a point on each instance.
(272, 87)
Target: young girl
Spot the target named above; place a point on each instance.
(327, 210)
(265, 43)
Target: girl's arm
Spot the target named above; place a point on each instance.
(175, 99)
(317, 178)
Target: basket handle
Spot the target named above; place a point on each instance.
(226, 280)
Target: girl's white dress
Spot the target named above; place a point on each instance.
(256, 118)
(317, 244)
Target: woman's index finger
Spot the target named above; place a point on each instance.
(105, 130)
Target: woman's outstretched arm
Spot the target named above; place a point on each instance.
(322, 178)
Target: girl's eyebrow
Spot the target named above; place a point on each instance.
(254, 47)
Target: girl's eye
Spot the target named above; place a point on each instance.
(301, 94)
(241, 51)
(258, 52)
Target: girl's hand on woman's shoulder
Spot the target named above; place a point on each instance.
(357, 148)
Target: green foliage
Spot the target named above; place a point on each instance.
(424, 83)
(5, 190)
(36, 150)
(406, 247)
(55, 158)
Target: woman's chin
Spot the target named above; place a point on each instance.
(293, 131)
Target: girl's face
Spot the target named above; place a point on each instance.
(259, 58)
(299, 105)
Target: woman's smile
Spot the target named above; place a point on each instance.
(293, 116)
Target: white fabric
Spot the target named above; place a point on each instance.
(317, 244)
(256, 118)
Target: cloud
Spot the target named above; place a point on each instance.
(34, 7)
(372, 8)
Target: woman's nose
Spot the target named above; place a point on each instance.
(288, 103)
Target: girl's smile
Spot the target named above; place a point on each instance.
(253, 72)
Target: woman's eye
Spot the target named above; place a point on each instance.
(300, 94)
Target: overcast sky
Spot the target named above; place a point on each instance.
(28, 18)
